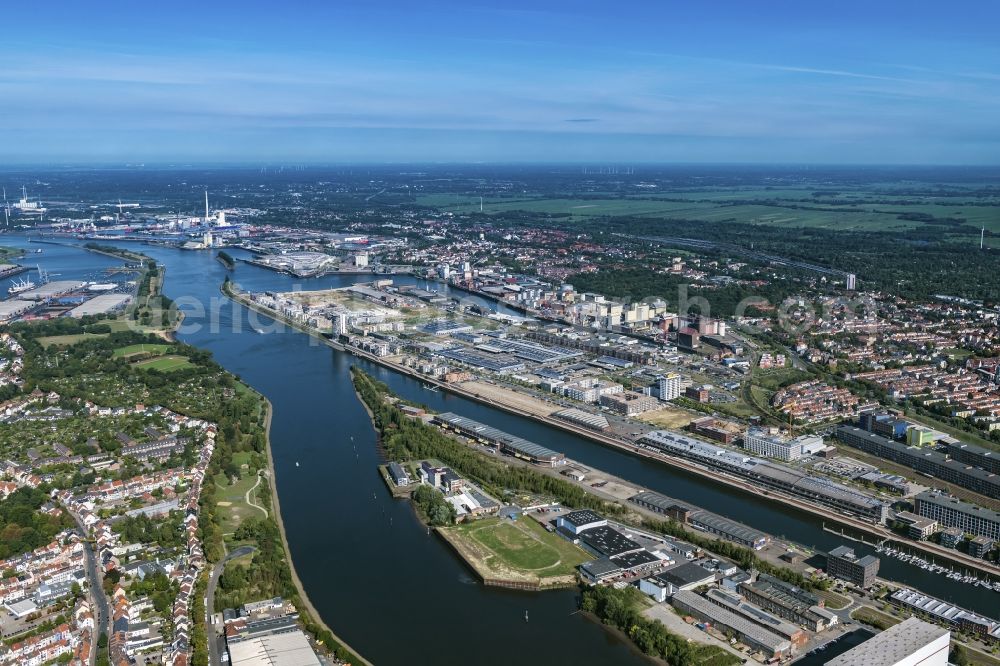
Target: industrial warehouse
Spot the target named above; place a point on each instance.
(529, 351)
(926, 460)
(701, 519)
(747, 631)
(498, 363)
(506, 443)
(768, 474)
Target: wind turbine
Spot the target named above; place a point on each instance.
(982, 238)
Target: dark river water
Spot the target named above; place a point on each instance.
(395, 593)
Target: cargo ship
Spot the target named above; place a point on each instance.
(21, 285)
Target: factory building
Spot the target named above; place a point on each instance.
(747, 632)
(700, 519)
(945, 613)
(576, 522)
(793, 634)
(586, 419)
(789, 602)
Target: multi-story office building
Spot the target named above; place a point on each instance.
(712, 428)
(925, 460)
(844, 564)
(917, 527)
(979, 546)
(773, 444)
(971, 454)
(953, 512)
(668, 387)
(629, 403)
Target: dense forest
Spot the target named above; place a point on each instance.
(226, 259)
(910, 262)
(167, 532)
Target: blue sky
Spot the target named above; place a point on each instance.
(651, 81)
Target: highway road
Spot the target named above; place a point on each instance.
(213, 642)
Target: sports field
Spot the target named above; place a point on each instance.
(165, 363)
(517, 551)
(67, 340)
(136, 350)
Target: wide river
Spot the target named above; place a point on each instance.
(395, 593)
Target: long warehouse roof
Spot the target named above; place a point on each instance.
(489, 432)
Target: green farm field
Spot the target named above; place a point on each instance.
(864, 211)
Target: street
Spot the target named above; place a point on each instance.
(213, 581)
(102, 612)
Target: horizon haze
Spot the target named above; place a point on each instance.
(517, 83)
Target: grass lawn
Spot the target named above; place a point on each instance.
(761, 397)
(165, 363)
(833, 600)
(517, 547)
(124, 323)
(524, 546)
(739, 409)
(779, 377)
(66, 340)
(871, 616)
(134, 350)
(979, 658)
(232, 502)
